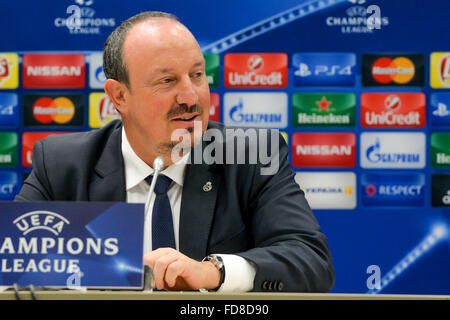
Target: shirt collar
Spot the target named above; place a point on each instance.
(136, 170)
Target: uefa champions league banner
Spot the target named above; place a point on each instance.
(71, 244)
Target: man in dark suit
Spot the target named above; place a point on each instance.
(259, 227)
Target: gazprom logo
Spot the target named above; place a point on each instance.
(100, 75)
(41, 220)
(374, 154)
(392, 150)
(263, 110)
(237, 114)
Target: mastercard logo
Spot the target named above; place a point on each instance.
(59, 110)
(400, 70)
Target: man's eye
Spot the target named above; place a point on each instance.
(167, 80)
(198, 74)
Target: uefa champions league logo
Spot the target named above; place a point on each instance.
(82, 19)
(41, 220)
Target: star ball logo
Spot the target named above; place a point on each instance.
(53, 110)
(393, 70)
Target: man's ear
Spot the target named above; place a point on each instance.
(118, 93)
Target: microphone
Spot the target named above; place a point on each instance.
(158, 166)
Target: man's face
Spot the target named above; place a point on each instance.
(168, 86)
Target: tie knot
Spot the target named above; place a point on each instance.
(162, 184)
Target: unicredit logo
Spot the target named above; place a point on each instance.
(393, 110)
(53, 71)
(256, 70)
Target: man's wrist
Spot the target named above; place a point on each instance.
(216, 263)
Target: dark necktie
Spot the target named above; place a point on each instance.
(162, 223)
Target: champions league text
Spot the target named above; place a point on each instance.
(48, 246)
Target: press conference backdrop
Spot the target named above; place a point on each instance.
(360, 90)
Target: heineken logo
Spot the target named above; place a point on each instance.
(440, 149)
(323, 109)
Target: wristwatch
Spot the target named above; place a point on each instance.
(218, 263)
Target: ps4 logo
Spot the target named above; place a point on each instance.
(441, 110)
(332, 70)
(7, 110)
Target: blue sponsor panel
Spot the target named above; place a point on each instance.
(9, 113)
(71, 244)
(9, 184)
(324, 69)
(440, 109)
(387, 190)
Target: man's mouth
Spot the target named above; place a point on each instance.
(186, 117)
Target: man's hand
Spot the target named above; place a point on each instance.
(172, 270)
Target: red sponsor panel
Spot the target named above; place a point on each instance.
(53, 71)
(323, 150)
(214, 110)
(256, 70)
(393, 110)
(28, 140)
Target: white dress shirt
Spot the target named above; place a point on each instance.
(239, 273)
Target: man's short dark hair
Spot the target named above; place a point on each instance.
(113, 64)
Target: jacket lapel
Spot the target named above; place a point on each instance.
(108, 183)
(198, 202)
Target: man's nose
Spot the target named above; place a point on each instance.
(186, 93)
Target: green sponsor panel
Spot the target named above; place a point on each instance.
(440, 150)
(212, 69)
(8, 149)
(323, 110)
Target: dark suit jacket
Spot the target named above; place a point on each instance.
(263, 218)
